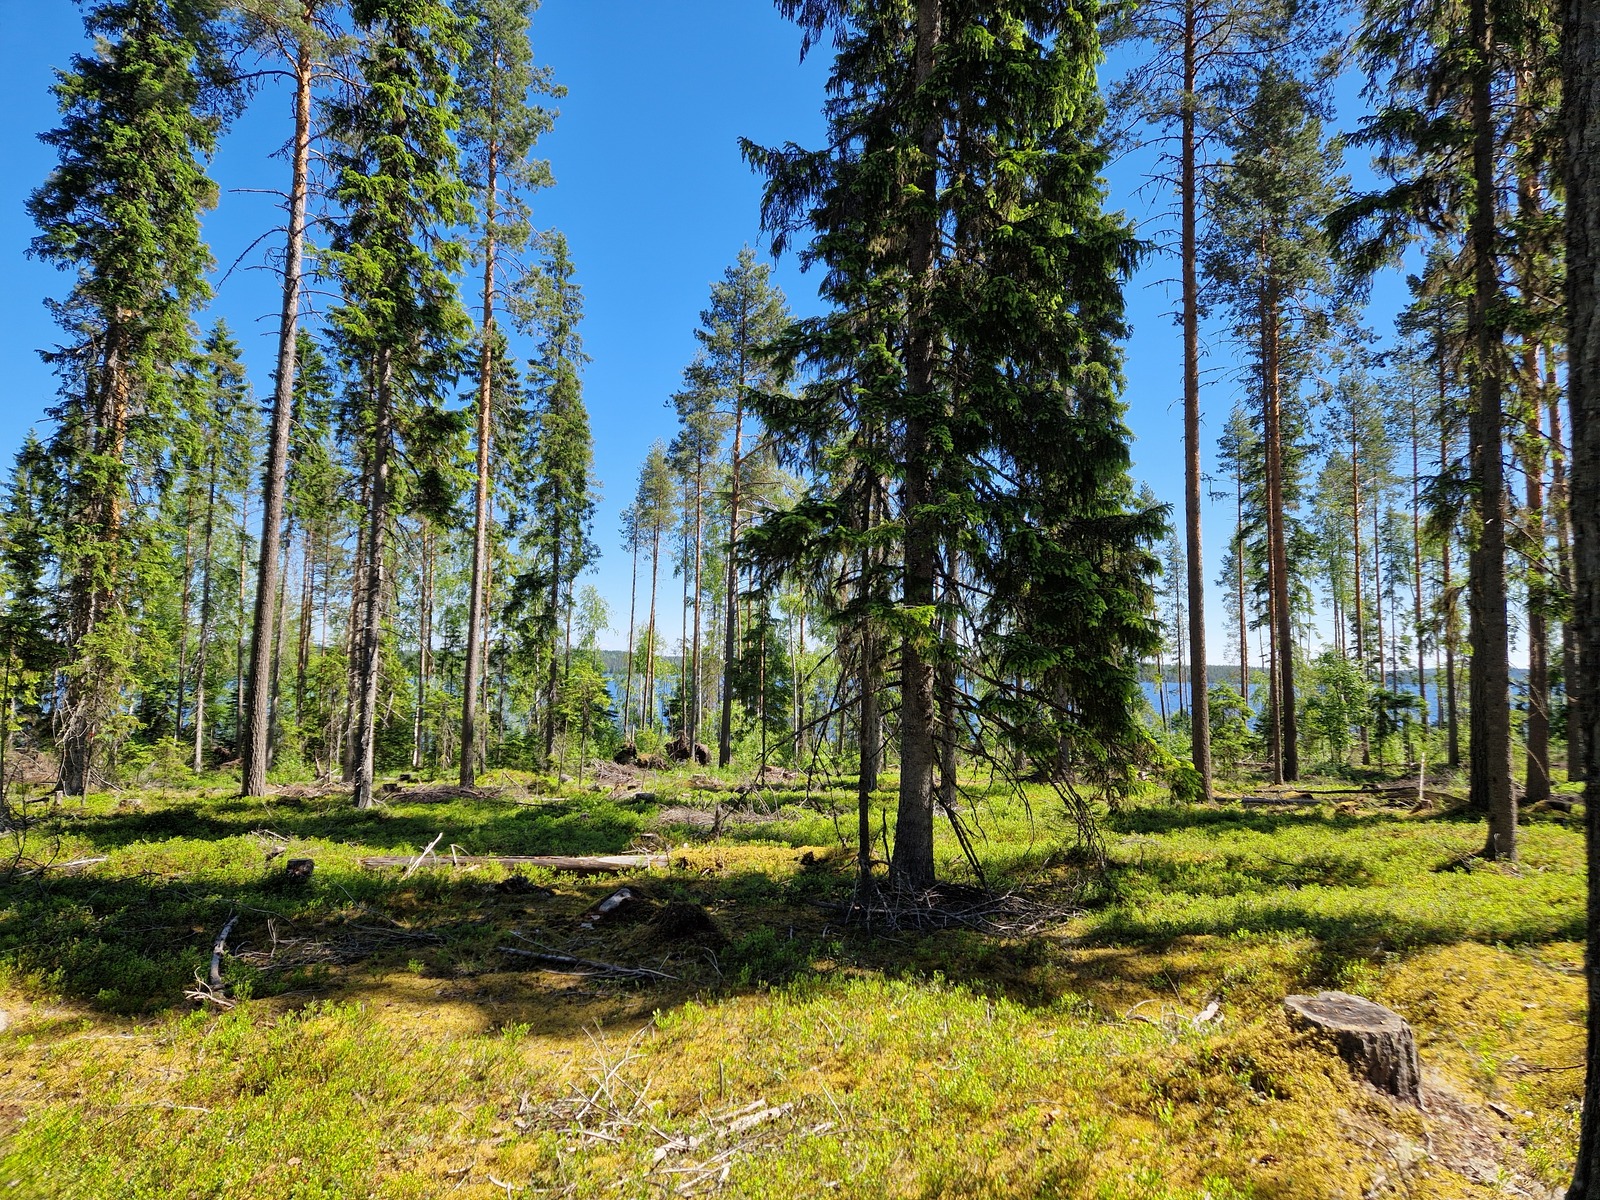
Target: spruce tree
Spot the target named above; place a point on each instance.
(977, 285)
(560, 460)
(121, 210)
(401, 319)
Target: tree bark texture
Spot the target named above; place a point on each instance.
(473, 670)
(256, 741)
(1581, 118)
(913, 863)
(1489, 707)
(1199, 675)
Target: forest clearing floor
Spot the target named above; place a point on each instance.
(381, 1041)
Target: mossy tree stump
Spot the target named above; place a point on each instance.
(1375, 1041)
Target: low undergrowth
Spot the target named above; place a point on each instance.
(383, 1043)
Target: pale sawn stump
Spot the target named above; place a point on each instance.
(1375, 1041)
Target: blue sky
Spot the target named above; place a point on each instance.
(652, 195)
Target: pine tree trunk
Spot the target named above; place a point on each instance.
(1581, 99)
(913, 864)
(693, 721)
(1238, 560)
(553, 678)
(183, 621)
(1537, 732)
(238, 644)
(648, 705)
(255, 744)
(1448, 616)
(1377, 595)
(370, 581)
(1358, 565)
(1200, 735)
(1489, 711)
(1561, 511)
(633, 606)
(204, 641)
(275, 710)
(1416, 566)
(480, 504)
(1288, 749)
(730, 620)
(424, 647)
(302, 657)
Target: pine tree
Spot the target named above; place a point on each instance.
(1266, 262)
(299, 31)
(735, 335)
(498, 131)
(1581, 128)
(653, 510)
(1190, 48)
(401, 319)
(1441, 136)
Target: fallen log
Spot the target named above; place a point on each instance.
(598, 864)
(565, 964)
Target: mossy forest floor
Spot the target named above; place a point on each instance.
(382, 1044)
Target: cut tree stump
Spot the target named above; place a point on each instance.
(1375, 1041)
(602, 864)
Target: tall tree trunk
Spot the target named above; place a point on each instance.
(1377, 592)
(371, 584)
(183, 621)
(302, 657)
(553, 678)
(255, 747)
(649, 699)
(633, 607)
(699, 593)
(867, 776)
(93, 588)
(731, 617)
(1489, 711)
(424, 646)
(1448, 618)
(239, 640)
(1238, 562)
(480, 503)
(1581, 100)
(1561, 512)
(1537, 729)
(1418, 625)
(1288, 749)
(913, 864)
(1537, 732)
(279, 622)
(1358, 565)
(1200, 725)
(204, 640)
